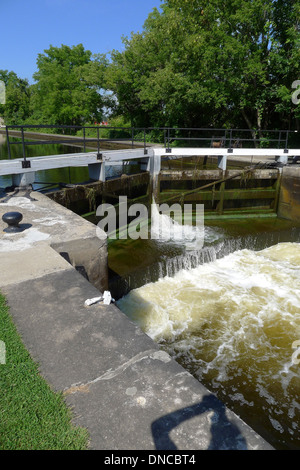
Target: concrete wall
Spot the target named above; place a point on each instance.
(289, 199)
(50, 227)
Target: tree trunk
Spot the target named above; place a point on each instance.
(249, 124)
(259, 120)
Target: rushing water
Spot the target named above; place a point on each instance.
(230, 314)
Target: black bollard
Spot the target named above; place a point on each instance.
(12, 219)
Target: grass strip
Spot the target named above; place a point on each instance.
(32, 416)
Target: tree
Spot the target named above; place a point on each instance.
(17, 104)
(286, 63)
(68, 86)
(202, 63)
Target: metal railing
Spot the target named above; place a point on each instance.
(26, 132)
(132, 136)
(231, 138)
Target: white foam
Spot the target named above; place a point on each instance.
(233, 320)
(276, 425)
(164, 228)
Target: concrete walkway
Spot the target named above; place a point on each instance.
(121, 387)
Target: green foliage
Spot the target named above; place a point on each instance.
(68, 84)
(210, 63)
(196, 63)
(17, 106)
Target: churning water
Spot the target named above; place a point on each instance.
(231, 316)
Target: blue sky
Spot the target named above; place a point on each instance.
(28, 27)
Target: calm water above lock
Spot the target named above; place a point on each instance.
(50, 178)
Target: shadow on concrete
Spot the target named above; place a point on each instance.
(79, 268)
(15, 191)
(225, 435)
(24, 227)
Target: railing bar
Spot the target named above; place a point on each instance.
(48, 142)
(84, 139)
(235, 135)
(23, 144)
(8, 143)
(53, 126)
(287, 139)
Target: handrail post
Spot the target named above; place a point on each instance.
(23, 147)
(23, 143)
(286, 142)
(145, 150)
(25, 163)
(84, 139)
(168, 150)
(8, 143)
(230, 150)
(132, 137)
(98, 140)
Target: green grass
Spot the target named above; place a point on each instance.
(32, 416)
